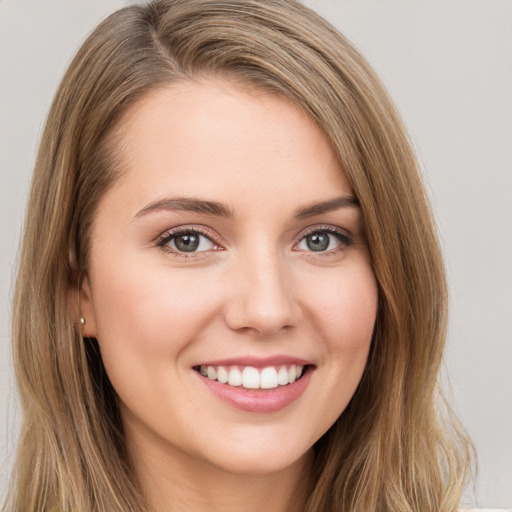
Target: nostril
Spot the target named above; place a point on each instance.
(261, 321)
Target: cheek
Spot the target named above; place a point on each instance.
(346, 309)
(144, 318)
(343, 308)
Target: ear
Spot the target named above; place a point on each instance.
(86, 308)
(80, 301)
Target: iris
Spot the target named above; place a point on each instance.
(317, 241)
(187, 243)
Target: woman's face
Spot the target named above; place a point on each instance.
(229, 258)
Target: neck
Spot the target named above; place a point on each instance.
(174, 481)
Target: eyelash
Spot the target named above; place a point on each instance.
(343, 237)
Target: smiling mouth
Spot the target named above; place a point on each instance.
(249, 377)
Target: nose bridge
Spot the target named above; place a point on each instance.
(262, 297)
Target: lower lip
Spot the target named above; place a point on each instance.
(259, 400)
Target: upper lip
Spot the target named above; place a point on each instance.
(257, 362)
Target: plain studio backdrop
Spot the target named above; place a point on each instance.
(448, 66)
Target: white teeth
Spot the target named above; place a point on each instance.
(282, 376)
(268, 378)
(235, 377)
(222, 375)
(252, 378)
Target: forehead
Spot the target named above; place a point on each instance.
(213, 138)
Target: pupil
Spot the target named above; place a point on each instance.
(187, 243)
(317, 241)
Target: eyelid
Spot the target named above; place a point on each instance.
(325, 227)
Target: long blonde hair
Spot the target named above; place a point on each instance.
(395, 448)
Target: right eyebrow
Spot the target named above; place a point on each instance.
(187, 204)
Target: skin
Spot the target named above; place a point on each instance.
(257, 289)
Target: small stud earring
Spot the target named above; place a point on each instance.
(79, 285)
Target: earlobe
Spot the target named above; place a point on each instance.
(81, 308)
(80, 304)
(85, 308)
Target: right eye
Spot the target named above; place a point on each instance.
(183, 242)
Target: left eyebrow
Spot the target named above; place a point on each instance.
(330, 205)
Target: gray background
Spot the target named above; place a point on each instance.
(448, 65)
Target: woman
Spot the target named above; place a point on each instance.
(230, 294)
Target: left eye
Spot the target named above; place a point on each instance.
(189, 241)
(321, 241)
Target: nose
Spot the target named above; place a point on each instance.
(262, 298)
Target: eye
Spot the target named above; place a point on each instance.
(324, 240)
(187, 241)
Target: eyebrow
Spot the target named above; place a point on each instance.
(326, 206)
(219, 209)
(187, 204)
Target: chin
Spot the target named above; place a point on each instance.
(256, 459)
